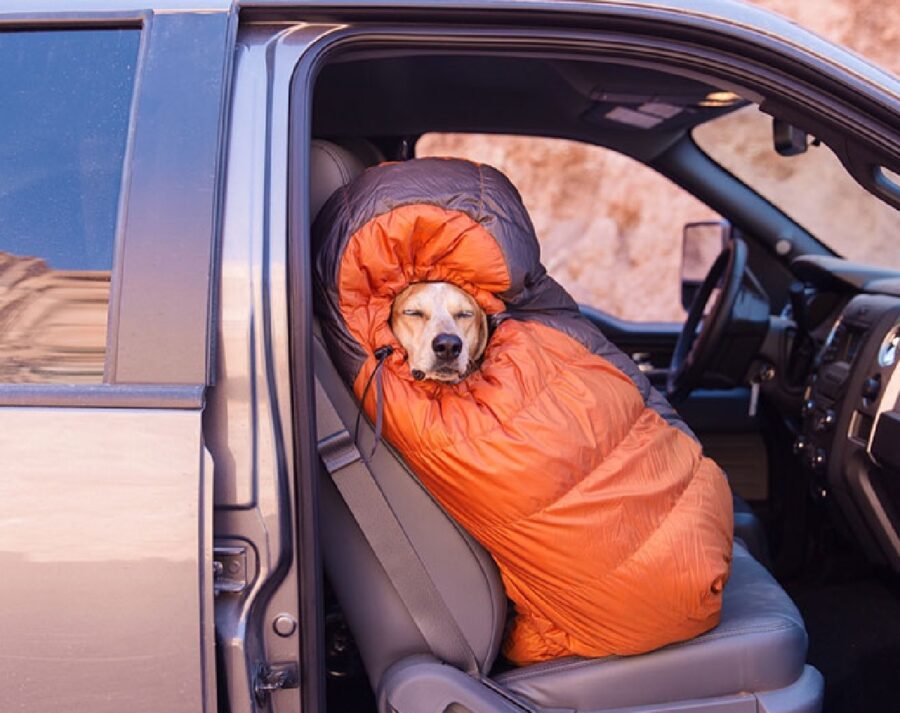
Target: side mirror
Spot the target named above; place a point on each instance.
(701, 244)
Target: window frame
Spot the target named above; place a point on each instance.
(160, 325)
(578, 28)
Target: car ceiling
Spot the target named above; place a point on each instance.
(636, 110)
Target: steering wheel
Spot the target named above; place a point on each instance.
(707, 320)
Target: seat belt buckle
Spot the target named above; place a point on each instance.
(338, 450)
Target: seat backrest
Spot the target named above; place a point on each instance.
(330, 167)
(463, 573)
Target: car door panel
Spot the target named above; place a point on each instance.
(650, 344)
(106, 487)
(108, 588)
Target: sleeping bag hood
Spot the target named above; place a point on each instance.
(612, 532)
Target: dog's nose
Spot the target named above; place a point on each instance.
(446, 346)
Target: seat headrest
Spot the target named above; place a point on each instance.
(332, 166)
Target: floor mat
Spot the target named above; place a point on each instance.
(854, 640)
(348, 687)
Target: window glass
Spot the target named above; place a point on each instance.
(813, 188)
(65, 99)
(610, 228)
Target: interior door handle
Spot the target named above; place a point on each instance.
(642, 359)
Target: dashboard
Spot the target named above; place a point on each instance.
(850, 431)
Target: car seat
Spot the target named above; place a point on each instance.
(753, 661)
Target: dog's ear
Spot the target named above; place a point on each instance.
(481, 342)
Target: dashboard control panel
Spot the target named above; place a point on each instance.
(850, 436)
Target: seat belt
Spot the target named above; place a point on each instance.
(386, 536)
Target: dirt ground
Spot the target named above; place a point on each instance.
(602, 213)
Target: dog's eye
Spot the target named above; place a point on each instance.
(413, 313)
(464, 315)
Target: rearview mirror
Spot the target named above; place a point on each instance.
(788, 139)
(701, 244)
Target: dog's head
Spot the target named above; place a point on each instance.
(443, 330)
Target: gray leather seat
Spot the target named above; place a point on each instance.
(760, 644)
(753, 661)
(330, 167)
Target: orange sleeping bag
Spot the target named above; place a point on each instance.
(611, 530)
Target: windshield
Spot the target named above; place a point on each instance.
(813, 188)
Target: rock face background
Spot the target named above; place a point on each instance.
(610, 229)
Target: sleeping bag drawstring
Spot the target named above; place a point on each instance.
(381, 354)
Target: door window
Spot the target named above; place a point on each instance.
(609, 227)
(65, 99)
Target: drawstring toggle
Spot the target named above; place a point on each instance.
(381, 354)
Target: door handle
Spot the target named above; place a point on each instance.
(642, 359)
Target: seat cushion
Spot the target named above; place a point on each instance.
(759, 645)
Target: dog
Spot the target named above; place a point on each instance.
(442, 328)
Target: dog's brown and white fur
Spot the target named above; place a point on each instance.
(442, 328)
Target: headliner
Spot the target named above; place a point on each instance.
(636, 110)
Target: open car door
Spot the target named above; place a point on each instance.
(111, 162)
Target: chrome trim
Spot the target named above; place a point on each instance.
(887, 352)
(887, 402)
(38, 9)
(138, 396)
